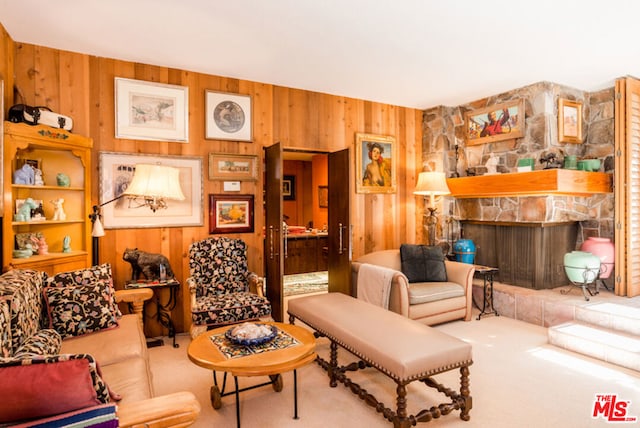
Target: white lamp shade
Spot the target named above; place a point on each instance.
(98, 229)
(432, 183)
(155, 181)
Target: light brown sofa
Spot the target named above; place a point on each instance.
(435, 302)
(120, 353)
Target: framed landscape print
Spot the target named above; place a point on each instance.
(495, 123)
(230, 214)
(228, 116)
(569, 121)
(116, 172)
(225, 166)
(151, 111)
(376, 158)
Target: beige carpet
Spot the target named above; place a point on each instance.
(517, 380)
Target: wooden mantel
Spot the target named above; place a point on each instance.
(548, 182)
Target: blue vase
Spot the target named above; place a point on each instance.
(465, 250)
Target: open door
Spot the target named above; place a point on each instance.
(273, 240)
(339, 239)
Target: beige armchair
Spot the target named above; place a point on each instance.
(428, 302)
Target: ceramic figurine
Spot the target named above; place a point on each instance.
(24, 175)
(66, 244)
(59, 213)
(24, 212)
(40, 245)
(63, 180)
(37, 177)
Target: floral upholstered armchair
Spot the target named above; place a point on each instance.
(223, 291)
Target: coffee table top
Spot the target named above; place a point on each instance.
(203, 352)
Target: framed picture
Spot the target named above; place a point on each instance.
(116, 172)
(230, 214)
(323, 196)
(495, 123)
(289, 188)
(376, 159)
(151, 111)
(224, 166)
(569, 121)
(228, 116)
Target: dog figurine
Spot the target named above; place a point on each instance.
(24, 212)
(147, 264)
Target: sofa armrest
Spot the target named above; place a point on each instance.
(136, 298)
(399, 293)
(179, 409)
(462, 273)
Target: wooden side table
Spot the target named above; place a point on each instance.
(208, 351)
(487, 274)
(163, 310)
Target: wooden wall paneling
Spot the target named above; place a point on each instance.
(7, 67)
(75, 90)
(24, 72)
(47, 78)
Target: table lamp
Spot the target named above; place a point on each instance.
(432, 184)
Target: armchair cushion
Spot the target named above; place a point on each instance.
(78, 310)
(229, 308)
(429, 292)
(421, 263)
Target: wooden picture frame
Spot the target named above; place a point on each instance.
(116, 172)
(289, 188)
(376, 159)
(323, 196)
(225, 166)
(151, 111)
(495, 123)
(228, 116)
(230, 213)
(569, 121)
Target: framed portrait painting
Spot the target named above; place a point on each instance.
(116, 172)
(151, 111)
(376, 159)
(228, 116)
(495, 123)
(230, 214)
(569, 121)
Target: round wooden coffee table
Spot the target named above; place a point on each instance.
(293, 348)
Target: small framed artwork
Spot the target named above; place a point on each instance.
(289, 188)
(151, 111)
(230, 213)
(228, 116)
(569, 121)
(225, 166)
(495, 123)
(376, 158)
(323, 196)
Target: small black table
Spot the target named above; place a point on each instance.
(487, 274)
(163, 310)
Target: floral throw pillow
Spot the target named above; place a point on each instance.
(95, 274)
(79, 310)
(44, 342)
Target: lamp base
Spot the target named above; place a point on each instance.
(432, 222)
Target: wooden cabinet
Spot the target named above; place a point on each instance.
(54, 151)
(305, 254)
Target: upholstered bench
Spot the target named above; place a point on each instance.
(403, 349)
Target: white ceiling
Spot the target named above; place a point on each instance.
(411, 53)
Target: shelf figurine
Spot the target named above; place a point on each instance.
(40, 245)
(24, 212)
(37, 177)
(66, 244)
(63, 180)
(58, 214)
(24, 175)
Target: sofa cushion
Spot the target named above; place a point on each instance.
(113, 345)
(44, 342)
(422, 263)
(23, 290)
(423, 292)
(78, 310)
(95, 274)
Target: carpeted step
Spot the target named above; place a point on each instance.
(614, 347)
(611, 316)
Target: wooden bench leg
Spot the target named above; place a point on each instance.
(333, 365)
(400, 420)
(464, 392)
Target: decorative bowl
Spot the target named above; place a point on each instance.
(238, 340)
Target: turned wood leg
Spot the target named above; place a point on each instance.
(464, 392)
(400, 420)
(333, 364)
